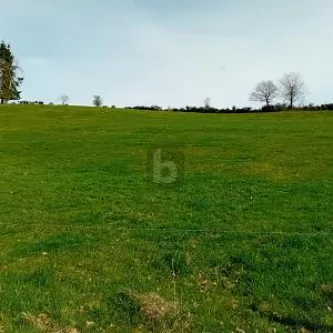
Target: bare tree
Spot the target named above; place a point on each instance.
(97, 101)
(265, 92)
(292, 88)
(64, 99)
(207, 103)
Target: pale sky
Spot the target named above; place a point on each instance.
(170, 53)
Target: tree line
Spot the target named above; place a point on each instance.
(284, 94)
(290, 89)
(202, 109)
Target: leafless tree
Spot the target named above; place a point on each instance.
(207, 103)
(64, 99)
(97, 101)
(292, 88)
(265, 92)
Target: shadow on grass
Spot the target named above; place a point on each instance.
(54, 243)
(295, 323)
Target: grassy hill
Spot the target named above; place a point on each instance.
(241, 242)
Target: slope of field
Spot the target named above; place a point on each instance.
(242, 242)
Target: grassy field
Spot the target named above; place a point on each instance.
(242, 242)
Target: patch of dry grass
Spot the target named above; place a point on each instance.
(44, 323)
(161, 315)
(154, 306)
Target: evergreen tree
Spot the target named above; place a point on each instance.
(9, 80)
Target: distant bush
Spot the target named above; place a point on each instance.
(322, 107)
(145, 108)
(329, 107)
(33, 103)
(156, 108)
(272, 108)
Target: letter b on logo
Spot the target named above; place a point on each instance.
(166, 165)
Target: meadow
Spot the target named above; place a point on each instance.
(241, 242)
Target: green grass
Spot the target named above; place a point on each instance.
(243, 242)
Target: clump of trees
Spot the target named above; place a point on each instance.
(10, 75)
(290, 89)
